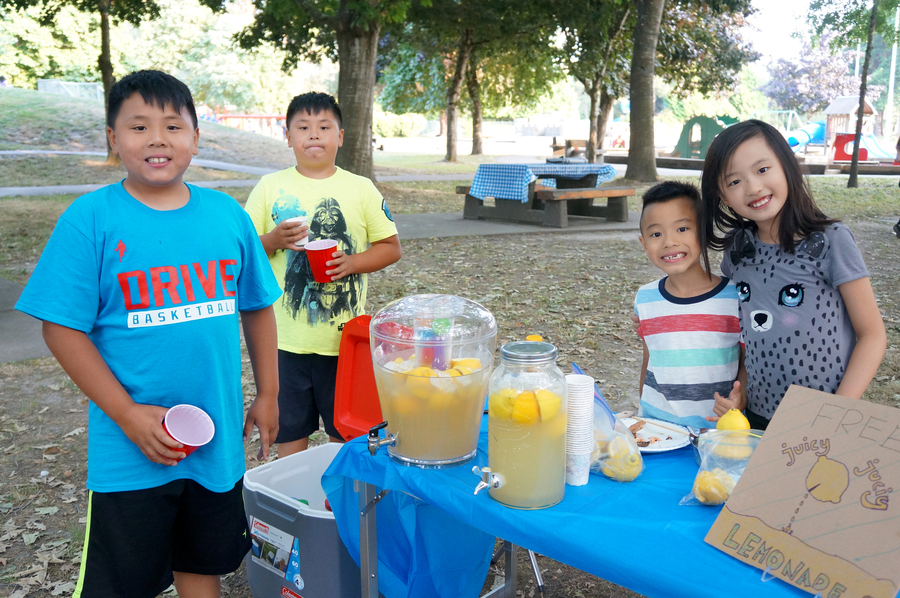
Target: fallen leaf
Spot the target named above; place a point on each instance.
(67, 586)
(74, 432)
(45, 409)
(46, 510)
(30, 537)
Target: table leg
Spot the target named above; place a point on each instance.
(368, 540)
(508, 589)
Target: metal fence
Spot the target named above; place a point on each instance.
(93, 91)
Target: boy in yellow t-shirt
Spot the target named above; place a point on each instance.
(340, 206)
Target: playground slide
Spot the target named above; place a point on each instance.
(813, 132)
(876, 152)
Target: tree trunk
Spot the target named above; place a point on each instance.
(642, 153)
(590, 149)
(853, 182)
(357, 51)
(454, 92)
(104, 62)
(474, 89)
(606, 105)
(442, 122)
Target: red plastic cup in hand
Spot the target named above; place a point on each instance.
(190, 426)
(319, 252)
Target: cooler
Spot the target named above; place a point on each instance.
(296, 550)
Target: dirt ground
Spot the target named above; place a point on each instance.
(576, 290)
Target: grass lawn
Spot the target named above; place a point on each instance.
(56, 169)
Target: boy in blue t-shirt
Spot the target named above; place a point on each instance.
(139, 289)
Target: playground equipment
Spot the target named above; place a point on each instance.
(841, 119)
(869, 149)
(697, 134)
(783, 120)
(812, 133)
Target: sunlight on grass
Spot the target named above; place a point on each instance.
(427, 163)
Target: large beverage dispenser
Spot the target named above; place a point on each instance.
(526, 428)
(432, 357)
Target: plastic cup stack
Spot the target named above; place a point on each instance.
(579, 428)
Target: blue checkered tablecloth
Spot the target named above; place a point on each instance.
(510, 181)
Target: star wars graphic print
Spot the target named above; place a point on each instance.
(303, 296)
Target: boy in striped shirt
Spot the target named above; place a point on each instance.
(692, 370)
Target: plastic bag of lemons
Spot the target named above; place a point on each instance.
(724, 455)
(616, 454)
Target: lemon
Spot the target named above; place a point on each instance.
(713, 487)
(500, 406)
(452, 373)
(733, 420)
(473, 363)
(461, 369)
(618, 447)
(526, 409)
(500, 403)
(418, 381)
(404, 404)
(622, 469)
(549, 403)
(827, 480)
(734, 445)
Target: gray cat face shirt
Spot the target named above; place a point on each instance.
(794, 325)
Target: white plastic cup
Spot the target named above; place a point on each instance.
(578, 468)
(303, 220)
(189, 425)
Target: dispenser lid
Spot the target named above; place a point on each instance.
(528, 352)
(448, 317)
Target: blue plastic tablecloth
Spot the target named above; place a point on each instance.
(635, 534)
(510, 181)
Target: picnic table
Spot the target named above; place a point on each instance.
(564, 190)
(435, 537)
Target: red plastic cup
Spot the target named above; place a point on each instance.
(190, 426)
(319, 252)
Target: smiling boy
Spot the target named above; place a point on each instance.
(692, 367)
(139, 289)
(340, 206)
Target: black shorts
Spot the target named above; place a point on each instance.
(135, 539)
(306, 392)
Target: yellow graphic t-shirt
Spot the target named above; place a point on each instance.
(344, 207)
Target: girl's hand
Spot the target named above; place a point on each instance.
(142, 425)
(340, 265)
(735, 400)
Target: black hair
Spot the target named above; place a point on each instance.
(156, 87)
(669, 190)
(800, 216)
(313, 103)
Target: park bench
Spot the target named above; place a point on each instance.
(552, 207)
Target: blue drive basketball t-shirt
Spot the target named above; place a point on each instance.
(158, 293)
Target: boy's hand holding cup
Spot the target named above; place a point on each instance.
(294, 232)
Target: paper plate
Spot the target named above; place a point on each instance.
(669, 440)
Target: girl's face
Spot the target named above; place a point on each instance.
(754, 186)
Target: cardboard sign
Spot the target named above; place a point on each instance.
(817, 505)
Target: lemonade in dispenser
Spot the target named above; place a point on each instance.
(432, 357)
(527, 427)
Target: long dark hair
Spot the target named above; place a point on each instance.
(800, 215)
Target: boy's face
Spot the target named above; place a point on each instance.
(315, 138)
(155, 144)
(669, 236)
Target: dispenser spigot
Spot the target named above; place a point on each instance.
(488, 479)
(374, 442)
